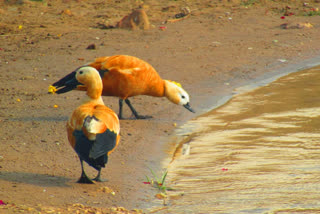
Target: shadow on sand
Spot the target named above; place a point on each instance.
(40, 119)
(35, 179)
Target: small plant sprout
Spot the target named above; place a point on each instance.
(157, 182)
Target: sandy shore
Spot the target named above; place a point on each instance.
(219, 47)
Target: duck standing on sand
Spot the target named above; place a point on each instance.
(93, 129)
(127, 76)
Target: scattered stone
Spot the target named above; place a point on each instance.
(91, 47)
(185, 13)
(106, 190)
(66, 12)
(138, 19)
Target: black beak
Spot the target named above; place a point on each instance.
(67, 83)
(187, 106)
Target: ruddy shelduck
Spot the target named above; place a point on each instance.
(93, 129)
(126, 76)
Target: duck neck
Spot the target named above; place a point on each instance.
(162, 89)
(170, 91)
(155, 88)
(94, 92)
(97, 100)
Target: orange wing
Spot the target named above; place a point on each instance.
(104, 120)
(126, 76)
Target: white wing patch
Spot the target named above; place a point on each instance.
(93, 125)
(125, 71)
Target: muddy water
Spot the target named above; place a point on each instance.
(258, 153)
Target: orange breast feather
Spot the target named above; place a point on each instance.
(106, 116)
(128, 76)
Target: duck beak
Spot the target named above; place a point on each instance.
(67, 83)
(187, 106)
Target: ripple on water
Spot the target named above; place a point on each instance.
(257, 153)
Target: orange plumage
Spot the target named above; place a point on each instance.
(93, 129)
(102, 113)
(126, 76)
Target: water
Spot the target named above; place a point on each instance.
(258, 153)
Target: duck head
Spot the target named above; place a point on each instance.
(86, 77)
(68, 83)
(176, 94)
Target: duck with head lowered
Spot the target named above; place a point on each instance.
(127, 76)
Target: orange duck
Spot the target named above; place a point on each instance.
(126, 76)
(93, 129)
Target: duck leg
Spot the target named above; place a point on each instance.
(98, 177)
(84, 179)
(120, 109)
(134, 112)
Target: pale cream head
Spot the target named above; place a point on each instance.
(91, 79)
(176, 94)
